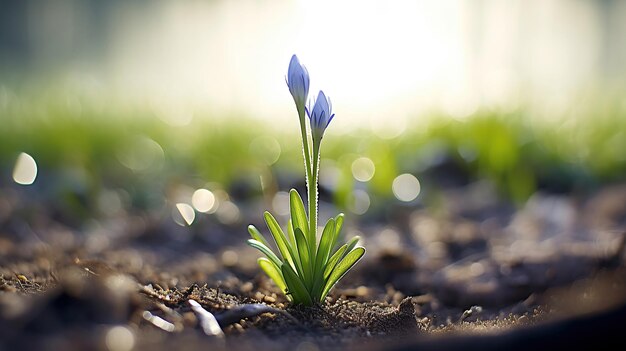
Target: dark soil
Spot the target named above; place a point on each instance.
(473, 274)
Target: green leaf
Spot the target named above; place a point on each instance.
(338, 225)
(318, 284)
(299, 221)
(332, 262)
(305, 259)
(292, 236)
(273, 272)
(298, 214)
(352, 243)
(295, 286)
(323, 251)
(342, 268)
(285, 249)
(322, 272)
(266, 250)
(326, 244)
(339, 220)
(256, 235)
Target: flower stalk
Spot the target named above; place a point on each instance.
(304, 269)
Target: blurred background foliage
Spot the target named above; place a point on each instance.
(84, 148)
(133, 105)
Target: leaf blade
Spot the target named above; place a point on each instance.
(295, 286)
(292, 235)
(266, 250)
(256, 235)
(284, 248)
(326, 244)
(332, 262)
(342, 268)
(352, 243)
(300, 220)
(338, 225)
(298, 213)
(305, 259)
(273, 272)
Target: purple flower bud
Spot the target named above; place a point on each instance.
(320, 115)
(298, 82)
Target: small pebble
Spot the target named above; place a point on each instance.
(423, 299)
(247, 287)
(269, 299)
(474, 310)
(397, 298)
(362, 291)
(8, 288)
(207, 320)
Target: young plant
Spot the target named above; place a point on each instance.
(305, 268)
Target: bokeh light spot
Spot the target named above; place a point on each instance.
(385, 130)
(360, 202)
(228, 213)
(266, 149)
(363, 169)
(187, 213)
(280, 203)
(230, 258)
(25, 170)
(119, 338)
(477, 269)
(204, 201)
(406, 187)
(329, 174)
(141, 154)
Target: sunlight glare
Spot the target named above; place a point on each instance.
(360, 202)
(187, 212)
(363, 169)
(119, 338)
(204, 201)
(265, 149)
(280, 203)
(406, 187)
(25, 170)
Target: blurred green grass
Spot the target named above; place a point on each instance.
(93, 145)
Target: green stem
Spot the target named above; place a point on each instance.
(305, 145)
(313, 195)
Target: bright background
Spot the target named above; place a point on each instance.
(376, 59)
(141, 104)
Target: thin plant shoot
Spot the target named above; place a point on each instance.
(304, 266)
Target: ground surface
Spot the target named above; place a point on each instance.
(473, 273)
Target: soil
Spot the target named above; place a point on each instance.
(475, 273)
